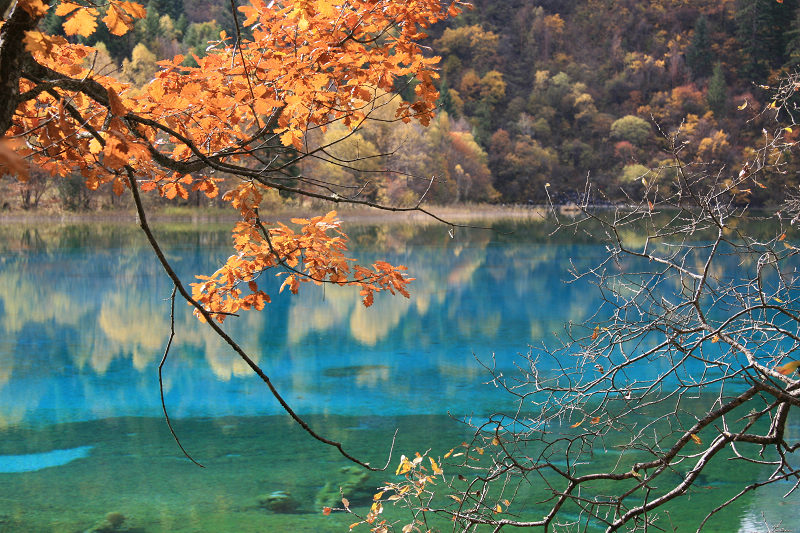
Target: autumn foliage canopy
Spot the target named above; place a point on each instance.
(245, 111)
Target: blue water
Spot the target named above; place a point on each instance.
(96, 321)
(83, 326)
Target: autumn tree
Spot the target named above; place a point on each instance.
(288, 68)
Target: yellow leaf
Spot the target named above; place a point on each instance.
(789, 367)
(377, 496)
(496, 441)
(777, 299)
(787, 129)
(696, 439)
(743, 105)
(404, 466)
(498, 509)
(435, 467)
(448, 454)
(287, 138)
(82, 22)
(636, 474)
(456, 498)
(302, 25)
(576, 424)
(715, 339)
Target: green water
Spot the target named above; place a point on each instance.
(133, 469)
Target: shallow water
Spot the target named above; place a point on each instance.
(84, 324)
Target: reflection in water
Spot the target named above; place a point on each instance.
(84, 323)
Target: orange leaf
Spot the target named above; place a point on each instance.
(788, 368)
(11, 162)
(117, 107)
(65, 8)
(576, 424)
(36, 41)
(134, 9)
(117, 21)
(35, 8)
(118, 187)
(326, 511)
(783, 236)
(596, 332)
(170, 191)
(82, 22)
(696, 439)
(595, 420)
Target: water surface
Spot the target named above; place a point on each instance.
(84, 322)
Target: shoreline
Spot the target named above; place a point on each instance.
(364, 215)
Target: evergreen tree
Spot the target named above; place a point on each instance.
(698, 55)
(173, 8)
(793, 43)
(52, 23)
(717, 95)
(445, 101)
(147, 29)
(764, 31)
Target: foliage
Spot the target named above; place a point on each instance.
(246, 110)
(632, 129)
(551, 62)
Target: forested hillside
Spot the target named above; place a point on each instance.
(540, 95)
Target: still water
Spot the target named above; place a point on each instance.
(84, 322)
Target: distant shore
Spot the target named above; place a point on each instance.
(357, 214)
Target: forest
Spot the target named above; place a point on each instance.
(537, 98)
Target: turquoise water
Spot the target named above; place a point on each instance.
(84, 322)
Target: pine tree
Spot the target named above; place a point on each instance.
(698, 55)
(717, 95)
(764, 31)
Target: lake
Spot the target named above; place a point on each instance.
(85, 318)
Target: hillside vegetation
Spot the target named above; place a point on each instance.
(536, 96)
